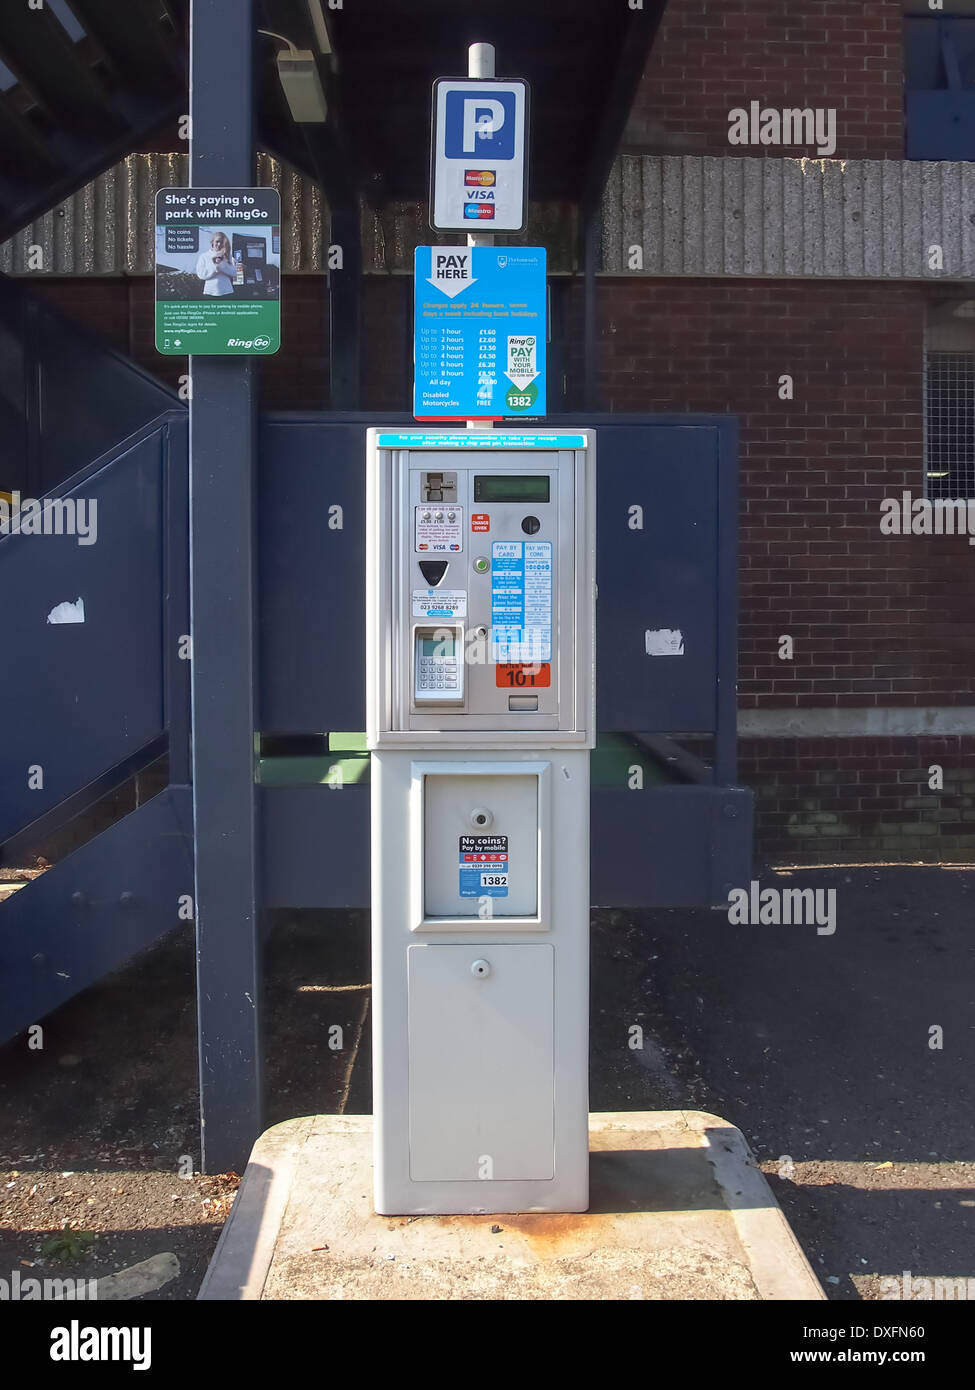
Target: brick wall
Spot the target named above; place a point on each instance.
(119, 312)
(712, 56)
(875, 620)
(387, 338)
(843, 797)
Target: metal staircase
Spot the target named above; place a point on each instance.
(86, 704)
(82, 84)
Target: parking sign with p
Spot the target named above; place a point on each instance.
(479, 170)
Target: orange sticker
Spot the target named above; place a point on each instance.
(480, 521)
(523, 677)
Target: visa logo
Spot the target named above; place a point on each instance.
(478, 211)
(484, 195)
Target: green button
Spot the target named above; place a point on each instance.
(481, 565)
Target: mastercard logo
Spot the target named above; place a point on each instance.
(480, 178)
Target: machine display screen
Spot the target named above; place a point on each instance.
(511, 487)
(437, 646)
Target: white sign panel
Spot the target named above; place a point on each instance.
(479, 170)
(438, 529)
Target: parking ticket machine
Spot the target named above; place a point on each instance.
(250, 257)
(480, 716)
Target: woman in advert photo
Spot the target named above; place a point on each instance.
(216, 267)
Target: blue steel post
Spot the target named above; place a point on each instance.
(223, 612)
(726, 711)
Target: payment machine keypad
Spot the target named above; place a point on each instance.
(438, 672)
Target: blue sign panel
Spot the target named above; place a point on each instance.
(483, 866)
(521, 601)
(479, 332)
(480, 125)
(440, 439)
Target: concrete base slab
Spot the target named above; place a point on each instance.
(679, 1210)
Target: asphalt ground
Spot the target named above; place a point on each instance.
(816, 1046)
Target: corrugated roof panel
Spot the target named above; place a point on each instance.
(108, 228)
(807, 218)
(688, 215)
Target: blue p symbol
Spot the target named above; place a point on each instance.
(480, 126)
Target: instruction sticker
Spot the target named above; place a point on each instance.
(483, 866)
(521, 601)
(440, 603)
(439, 530)
(520, 677)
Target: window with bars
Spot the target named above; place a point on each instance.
(949, 394)
(950, 425)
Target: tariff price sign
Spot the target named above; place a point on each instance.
(480, 329)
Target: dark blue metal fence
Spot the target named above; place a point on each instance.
(90, 697)
(66, 398)
(82, 697)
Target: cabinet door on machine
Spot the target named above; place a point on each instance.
(455, 888)
(482, 1062)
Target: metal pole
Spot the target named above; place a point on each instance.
(590, 251)
(480, 63)
(344, 307)
(222, 606)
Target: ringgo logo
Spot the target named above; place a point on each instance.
(260, 343)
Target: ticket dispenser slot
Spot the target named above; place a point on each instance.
(480, 697)
(433, 571)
